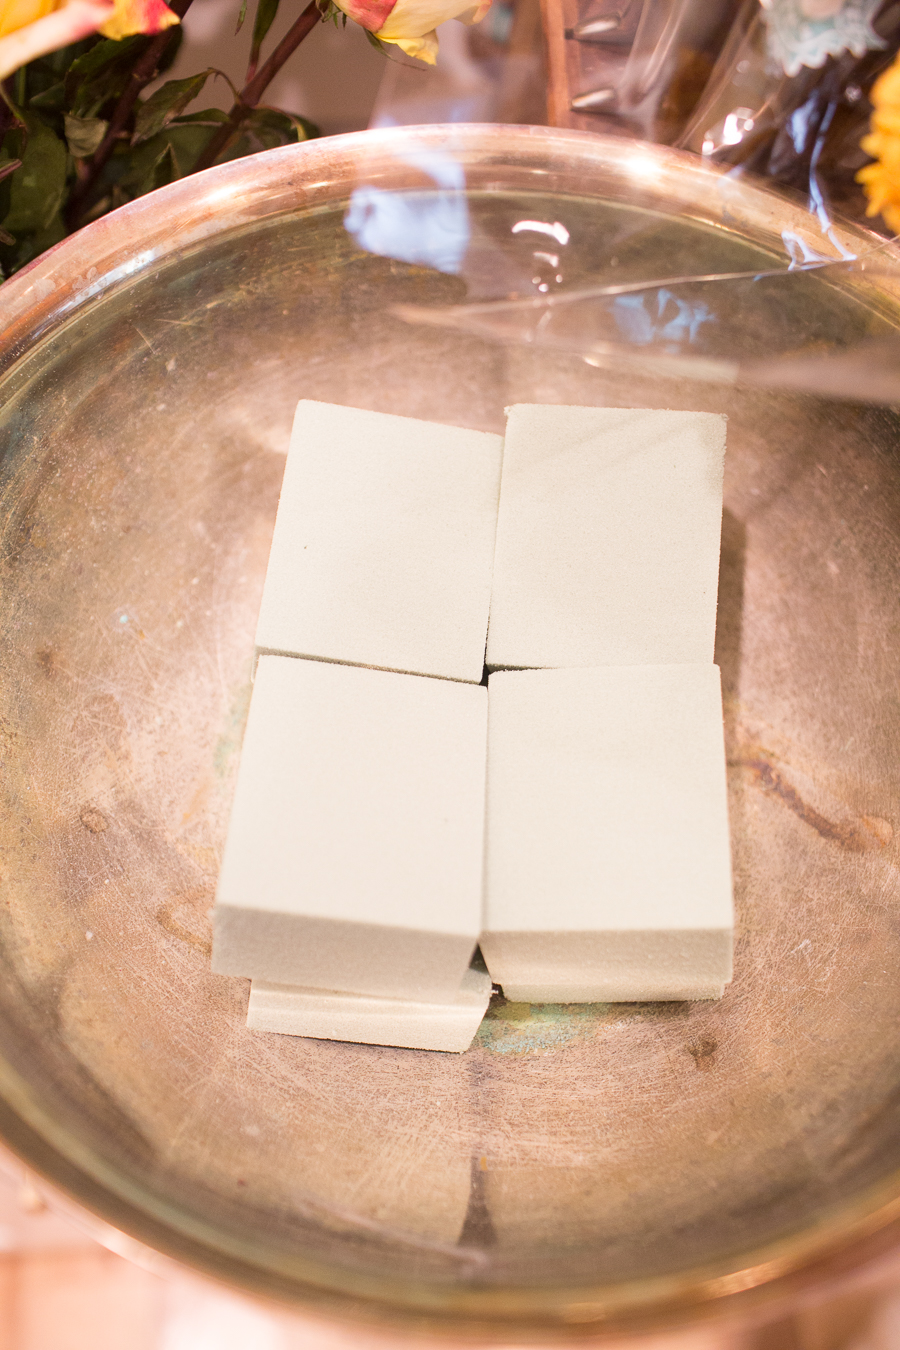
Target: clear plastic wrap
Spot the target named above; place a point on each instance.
(788, 98)
(777, 87)
(619, 309)
(638, 68)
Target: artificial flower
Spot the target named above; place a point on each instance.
(32, 28)
(881, 180)
(410, 24)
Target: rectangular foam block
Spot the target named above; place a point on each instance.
(332, 1016)
(608, 864)
(355, 847)
(383, 543)
(607, 538)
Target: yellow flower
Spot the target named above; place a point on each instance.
(138, 16)
(881, 180)
(410, 24)
(31, 28)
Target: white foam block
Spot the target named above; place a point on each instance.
(383, 543)
(607, 537)
(608, 865)
(354, 852)
(332, 1016)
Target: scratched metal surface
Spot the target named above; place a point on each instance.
(570, 1148)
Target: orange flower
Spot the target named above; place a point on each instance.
(31, 28)
(881, 180)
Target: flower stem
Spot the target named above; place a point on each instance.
(7, 116)
(254, 89)
(144, 71)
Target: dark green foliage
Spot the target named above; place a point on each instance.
(6, 172)
(267, 127)
(59, 113)
(331, 14)
(37, 188)
(266, 11)
(83, 134)
(166, 104)
(96, 79)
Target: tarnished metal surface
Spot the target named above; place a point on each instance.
(579, 1167)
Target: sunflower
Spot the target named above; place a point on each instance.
(881, 180)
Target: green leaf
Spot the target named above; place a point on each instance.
(187, 143)
(52, 100)
(170, 154)
(290, 126)
(241, 17)
(207, 117)
(266, 128)
(6, 186)
(265, 16)
(55, 64)
(84, 134)
(155, 172)
(168, 102)
(37, 188)
(331, 13)
(105, 53)
(176, 37)
(98, 78)
(30, 246)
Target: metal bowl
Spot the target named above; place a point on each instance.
(580, 1169)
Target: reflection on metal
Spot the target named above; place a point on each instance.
(431, 228)
(599, 98)
(642, 167)
(732, 130)
(555, 230)
(661, 317)
(594, 30)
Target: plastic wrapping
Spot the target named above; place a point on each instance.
(687, 327)
(777, 87)
(788, 98)
(624, 311)
(638, 68)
